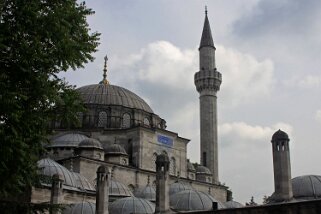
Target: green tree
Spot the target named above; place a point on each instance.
(38, 39)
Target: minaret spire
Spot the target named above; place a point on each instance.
(105, 81)
(207, 39)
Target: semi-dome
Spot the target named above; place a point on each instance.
(112, 95)
(115, 149)
(178, 187)
(70, 139)
(90, 143)
(232, 204)
(203, 170)
(147, 192)
(192, 200)
(130, 205)
(279, 135)
(306, 187)
(81, 208)
(49, 167)
(118, 189)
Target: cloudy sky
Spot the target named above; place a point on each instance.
(268, 52)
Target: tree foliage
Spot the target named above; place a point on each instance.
(38, 39)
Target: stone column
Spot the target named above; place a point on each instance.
(162, 187)
(102, 189)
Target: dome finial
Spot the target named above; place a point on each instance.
(105, 81)
(148, 180)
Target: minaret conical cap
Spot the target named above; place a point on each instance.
(207, 39)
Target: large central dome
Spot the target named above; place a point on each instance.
(106, 94)
(113, 107)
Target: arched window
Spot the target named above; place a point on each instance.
(80, 116)
(153, 161)
(172, 166)
(126, 120)
(146, 122)
(102, 119)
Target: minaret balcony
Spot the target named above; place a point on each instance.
(208, 79)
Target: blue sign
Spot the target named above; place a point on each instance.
(165, 140)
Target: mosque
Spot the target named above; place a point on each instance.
(120, 138)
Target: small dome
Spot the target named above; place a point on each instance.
(280, 135)
(190, 167)
(118, 189)
(106, 94)
(178, 187)
(203, 170)
(130, 205)
(147, 192)
(90, 143)
(232, 204)
(83, 207)
(115, 149)
(67, 140)
(48, 167)
(192, 200)
(306, 187)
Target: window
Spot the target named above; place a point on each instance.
(146, 122)
(124, 161)
(154, 161)
(102, 119)
(126, 120)
(172, 166)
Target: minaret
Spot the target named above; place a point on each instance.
(207, 82)
(282, 167)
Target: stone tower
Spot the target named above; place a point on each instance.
(162, 186)
(282, 167)
(207, 81)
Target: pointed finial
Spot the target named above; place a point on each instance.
(148, 180)
(205, 10)
(105, 81)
